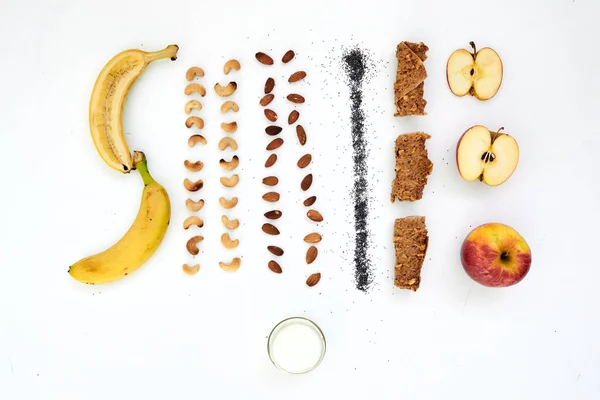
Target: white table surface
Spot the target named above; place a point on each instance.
(162, 335)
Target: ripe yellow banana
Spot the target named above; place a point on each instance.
(108, 98)
(139, 243)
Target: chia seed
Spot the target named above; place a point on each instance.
(355, 64)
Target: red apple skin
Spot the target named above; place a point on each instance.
(481, 255)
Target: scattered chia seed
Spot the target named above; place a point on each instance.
(355, 64)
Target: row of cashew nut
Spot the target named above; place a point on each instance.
(193, 166)
(232, 164)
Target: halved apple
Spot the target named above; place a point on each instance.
(478, 74)
(491, 157)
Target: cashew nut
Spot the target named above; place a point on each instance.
(196, 139)
(199, 122)
(193, 166)
(195, 88)
(228, 243)
(193, 220)
(225, 91)
(192, 104)
(192, 245)
(230, 105)
(230, 224)
(233, 266)
(230, 165)
(231, 64)
(193, 186)
(228, 142)
(193, 72)
(194, 205)
(229, 127)
(227, 204)
(230, 182)
(193, 270)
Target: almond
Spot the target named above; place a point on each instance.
(310, 201)
(271, 160)
(288, 56)
(293, 117)
(304, 161)
(273, 130)
(270, 229)
(270, 181)
(263, 58)
(313, 279)
(311, 254)
(275, 267)
(295, 98)
(277, 251)
(269, 85)
(268, 98)
(275, 144)
(273, 214)
(306, 182)
(297, 76)
(271, 115)
(314, 215)
(271, 197)
(312, 238)
(301, 133)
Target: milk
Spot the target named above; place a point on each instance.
(297, 347)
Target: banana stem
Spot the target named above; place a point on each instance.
(141, 164)
(168, 52)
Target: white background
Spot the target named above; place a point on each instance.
(160, 334)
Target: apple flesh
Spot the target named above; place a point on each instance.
(495, 255)
(491, 157)
(478, 74)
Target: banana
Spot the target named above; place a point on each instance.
(108, 98)
(139, 243)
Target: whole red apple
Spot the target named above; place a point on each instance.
(495, 255)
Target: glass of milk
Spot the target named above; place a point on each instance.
(296, 345)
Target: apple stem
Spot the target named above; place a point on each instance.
(474, 48)
(496, 134)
